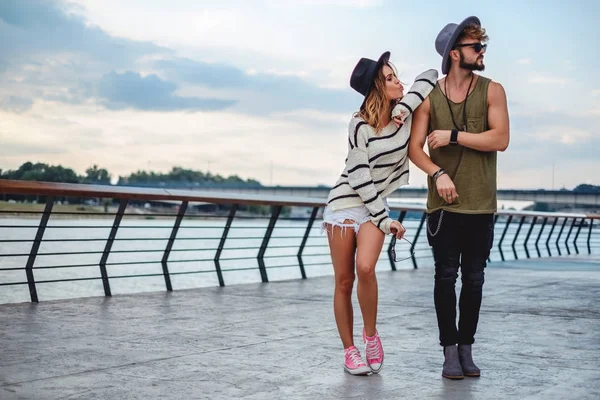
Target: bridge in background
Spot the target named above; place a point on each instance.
(536, 196)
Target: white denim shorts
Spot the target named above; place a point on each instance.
(358, 215)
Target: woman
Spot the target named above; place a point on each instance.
(377, 164)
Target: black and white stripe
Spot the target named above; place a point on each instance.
(425, 80)
(385, 153)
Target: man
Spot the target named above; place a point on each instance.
(465, 123)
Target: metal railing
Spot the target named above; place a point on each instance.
(129, 242)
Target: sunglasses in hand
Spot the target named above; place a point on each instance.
(393, 246)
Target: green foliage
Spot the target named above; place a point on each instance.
(42, 172)
(183, 177)
(585, 188)
(99, 176)
(95, 175)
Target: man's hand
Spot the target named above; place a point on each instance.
(446, 188)
(438, 138)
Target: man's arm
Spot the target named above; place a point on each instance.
(494, 139)
(418, 136)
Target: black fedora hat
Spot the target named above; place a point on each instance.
(446, 39)
(363, 76)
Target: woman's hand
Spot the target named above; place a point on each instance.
(446, 188)
(399, 115)
(398, 121)
(397, 229)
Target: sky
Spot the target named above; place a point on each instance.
(260, 88)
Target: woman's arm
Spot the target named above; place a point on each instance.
(418, 92)
(360, 179)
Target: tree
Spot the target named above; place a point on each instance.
(177, 177)
(585, 188)
(42, 172)
(95, 175)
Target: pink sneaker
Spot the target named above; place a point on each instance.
(354, 363)
(374, 351)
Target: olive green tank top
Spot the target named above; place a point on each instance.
(473, 172)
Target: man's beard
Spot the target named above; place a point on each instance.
(470, 66)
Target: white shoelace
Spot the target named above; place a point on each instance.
(355, 357)
(373, 349)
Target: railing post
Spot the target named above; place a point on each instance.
(230, 218)
(165, 257)
(514, 242)
(560, 234)
(313, 216)
(414, 243)
(389, 251)
(36, 246)
(590, 236)
(265, 243)
(577, 235)
(533, 221)
(108, 246)
(508, 221)
(550, 236)
(539, 236)
(569, 235)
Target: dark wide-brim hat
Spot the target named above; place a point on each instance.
(363, 76)
(446, 39)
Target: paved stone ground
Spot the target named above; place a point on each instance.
(539, 338)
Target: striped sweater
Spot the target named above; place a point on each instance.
(377, 164)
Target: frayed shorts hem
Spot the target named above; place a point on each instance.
(358, 215)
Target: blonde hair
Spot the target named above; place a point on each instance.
(474, 32)
(377, 102)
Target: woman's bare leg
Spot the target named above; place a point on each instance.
(342, 244)
(369, 242)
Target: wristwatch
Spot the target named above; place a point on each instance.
(454, 137)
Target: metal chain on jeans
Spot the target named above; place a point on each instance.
(439, 225)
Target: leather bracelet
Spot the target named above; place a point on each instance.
(454, 137)
(437, 174)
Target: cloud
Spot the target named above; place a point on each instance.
(540, 139)
(15, 103)
(30, 28)
(260, 92)
(336, 3)
(87, 81)
(48, 52)
(131, 90)
(29, 149)
(548, 79)
(127, 140)
(569, 65)
(314, 118)
(206, 74)
(563, 135)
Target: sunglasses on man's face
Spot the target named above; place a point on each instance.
(478, 47)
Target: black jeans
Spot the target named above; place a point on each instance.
(463, 240)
